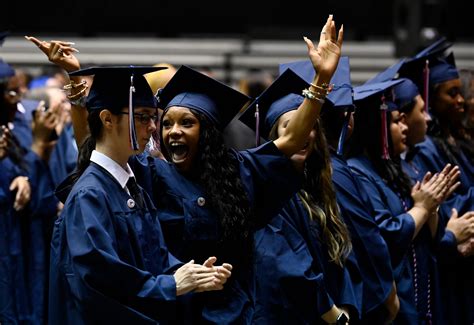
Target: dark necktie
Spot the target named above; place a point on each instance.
(135, 192)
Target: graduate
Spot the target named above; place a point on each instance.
(455, 229)
(379, 302)
(34, 205)
(301, 255)
(438, 82)
(456, 226)
(210, 199)
(405, 214)
(13, 292)
(109, 261)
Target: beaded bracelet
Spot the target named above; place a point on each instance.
(312, 96)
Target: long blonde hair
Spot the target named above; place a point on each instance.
(319, 197)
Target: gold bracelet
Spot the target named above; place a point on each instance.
(326, 88)
(78, 94)
(73, 85)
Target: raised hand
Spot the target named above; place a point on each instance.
(325, 56)
(58, 52)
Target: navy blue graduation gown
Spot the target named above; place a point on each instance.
(397, 227)
(64, 155)
(22, 122)
(191, 228)
(108, 261)
(456, 273)
(368, 244)
(37, 218)
(14, 295)
(295, 281)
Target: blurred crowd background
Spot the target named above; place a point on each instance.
(233, 39)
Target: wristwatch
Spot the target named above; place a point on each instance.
(342, 319)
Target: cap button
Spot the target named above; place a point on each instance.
(131, 203)
(201, 201)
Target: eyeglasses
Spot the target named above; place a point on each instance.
(143, 118)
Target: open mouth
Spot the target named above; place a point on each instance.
(178, 151)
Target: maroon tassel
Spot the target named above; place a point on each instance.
(383, 129)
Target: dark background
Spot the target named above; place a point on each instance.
(363, 19)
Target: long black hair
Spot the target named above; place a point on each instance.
(217, 171)
(366, 140)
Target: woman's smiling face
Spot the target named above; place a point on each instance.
(180, 133)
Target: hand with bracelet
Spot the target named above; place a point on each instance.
(62, 54)
(325, 56)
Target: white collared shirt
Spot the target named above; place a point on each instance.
(110, 165)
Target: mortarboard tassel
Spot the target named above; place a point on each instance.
(426, 84)
(383, 129)
(131, 117)
(257, 126)
(342, 136)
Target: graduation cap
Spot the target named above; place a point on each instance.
(6, 70)
(435, 48)
(283, 95)
(405, 91)
(418, 68)
(195, 90)
(381, 93)
(115, 87)
(390, 73)
(443, 69)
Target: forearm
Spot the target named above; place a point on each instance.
(420, 216)
(301, 124)
(433, 221)
(42, 149)
(79, 123)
